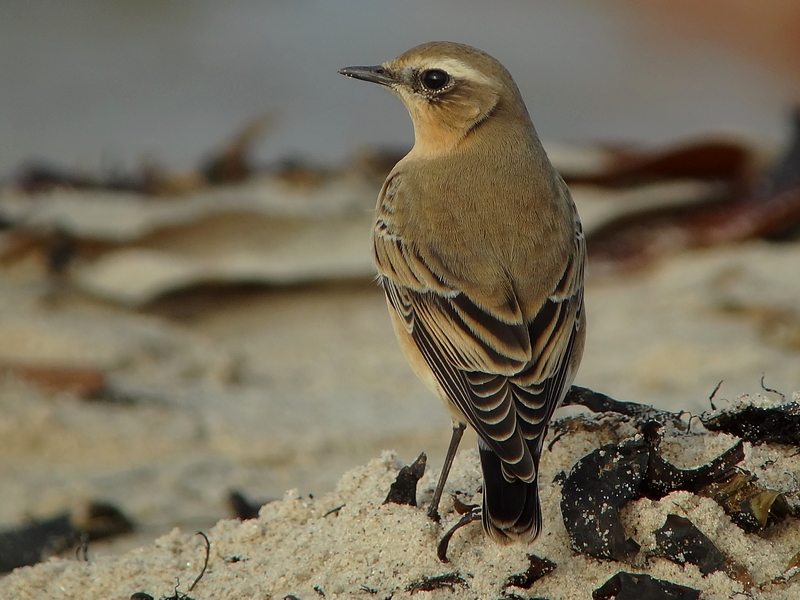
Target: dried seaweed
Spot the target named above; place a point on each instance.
(786, 176)
(539, 567)
(444, 543)
(663, 478)
(31, 543)
(230, 164)
(437, 582)
(759, 425)
(639, 586)
(300, 173)
(751, 506)
(596, 488)
(770, 209)
(636, 240)
(205, 560)
(703, 160)
(404, 488)
(102, 520)
(461, 507)
(680, 541)
(242, 507)
(597, 402)
(602, 482)
(748, 504)
(38, 176)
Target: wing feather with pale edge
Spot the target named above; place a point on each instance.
(506, 376)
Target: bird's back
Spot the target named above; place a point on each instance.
(440, 204)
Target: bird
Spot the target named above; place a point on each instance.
(481, 255)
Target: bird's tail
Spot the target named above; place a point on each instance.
(511, 510)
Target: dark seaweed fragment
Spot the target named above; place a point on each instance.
(596, 488)
(436, 582)
(466, 519)
(706, 160)
(539, 567)
(242, 507)
(40, 176)
(638, 586)
(461, 507)
(680, 541)
(663, 477)
(749, 505)
(777, 425)
(404, 487)
(29, 544)
(737, 212)
(599, 403)
(602, 482)
(786, 176)
(102, 520)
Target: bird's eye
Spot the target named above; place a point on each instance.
(435, 79)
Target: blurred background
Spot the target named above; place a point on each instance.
(106, 83)
(186, 304)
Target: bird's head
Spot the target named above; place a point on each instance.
(449, 90)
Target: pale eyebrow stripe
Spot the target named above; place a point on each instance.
(458, 69)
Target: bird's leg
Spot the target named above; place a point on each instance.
(455, 440)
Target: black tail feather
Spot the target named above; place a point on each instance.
(511, 510)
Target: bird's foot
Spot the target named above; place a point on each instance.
(433, 513)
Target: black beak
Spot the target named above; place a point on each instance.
(376, 74)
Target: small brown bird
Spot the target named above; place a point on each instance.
(481, 254)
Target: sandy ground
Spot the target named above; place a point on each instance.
(266, 390)
(347, 544)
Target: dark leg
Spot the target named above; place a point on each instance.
(458, 431)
